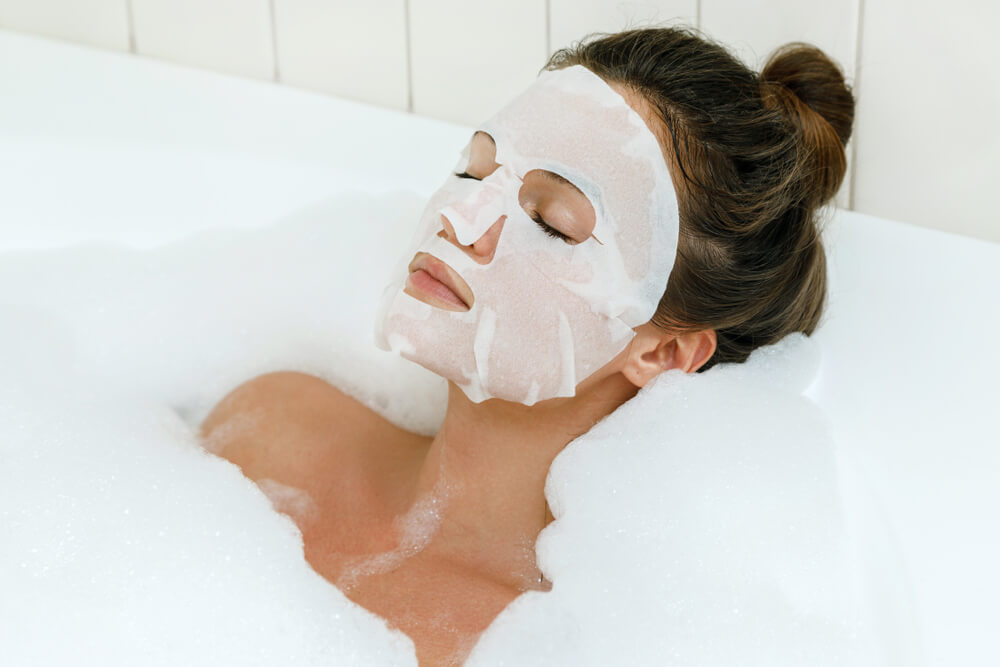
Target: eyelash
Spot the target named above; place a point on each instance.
(551, 231)
(548, 229)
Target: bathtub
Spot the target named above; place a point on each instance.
(125, 153)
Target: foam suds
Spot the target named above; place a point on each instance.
(296, 503)
(243, 422)
(699, 524)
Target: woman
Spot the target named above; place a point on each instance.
(538, 286)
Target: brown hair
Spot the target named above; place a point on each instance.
(757, 156)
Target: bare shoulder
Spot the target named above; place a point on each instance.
(278, 425)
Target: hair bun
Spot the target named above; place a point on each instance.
(810, 88)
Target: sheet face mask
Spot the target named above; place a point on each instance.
(545, 313)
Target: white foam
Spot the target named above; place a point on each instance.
(290, 500)
(699, 524)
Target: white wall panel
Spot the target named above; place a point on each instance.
(470, 58)
(232, 36)
(101, 23)
(351, 49)
(928, 143)
(754, 28)
(570, 20)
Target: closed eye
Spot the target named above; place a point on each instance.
(466, 174)
(551, 231)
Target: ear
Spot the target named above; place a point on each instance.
(654, 351)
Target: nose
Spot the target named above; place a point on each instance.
(475, 222)
(482, 249)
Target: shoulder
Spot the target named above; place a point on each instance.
(282, 393)
(276, 424)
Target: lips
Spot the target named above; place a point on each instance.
(436, 283)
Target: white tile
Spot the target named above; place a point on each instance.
(232, 36)
(754, 28)
(351, 49)
(928, 143)
(470, 58)
(101, 23)
(571, 20)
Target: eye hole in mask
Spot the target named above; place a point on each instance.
(479, 156)
(566, 210)
(572, 215)
(545, 193)
(554, 203)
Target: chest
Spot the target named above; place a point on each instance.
(346, 483)
(441, 604)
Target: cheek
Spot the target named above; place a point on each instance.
(552, 258)
(570, 270)
(542, 337)
(586, 270)
(528, 336)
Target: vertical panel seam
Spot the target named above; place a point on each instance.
(130, 20)
(697, 14)
(548, 29)
(409, 55)
(859, 36)
(276, 73)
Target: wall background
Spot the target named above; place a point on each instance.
(925, 144)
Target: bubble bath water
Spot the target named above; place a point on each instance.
(700, 524)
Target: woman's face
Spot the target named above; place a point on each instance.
(550, 242)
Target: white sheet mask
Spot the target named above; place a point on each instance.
(545, 313)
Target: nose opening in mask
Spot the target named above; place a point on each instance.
(472, 216)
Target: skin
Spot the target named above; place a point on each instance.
(364, 473)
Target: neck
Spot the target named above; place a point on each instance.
(486, 467)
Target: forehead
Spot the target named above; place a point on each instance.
(573, 117)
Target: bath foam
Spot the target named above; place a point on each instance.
(124, 542)
(699, 524)
(294, 502)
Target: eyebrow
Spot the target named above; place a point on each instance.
(553, 177)
(556, 178)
